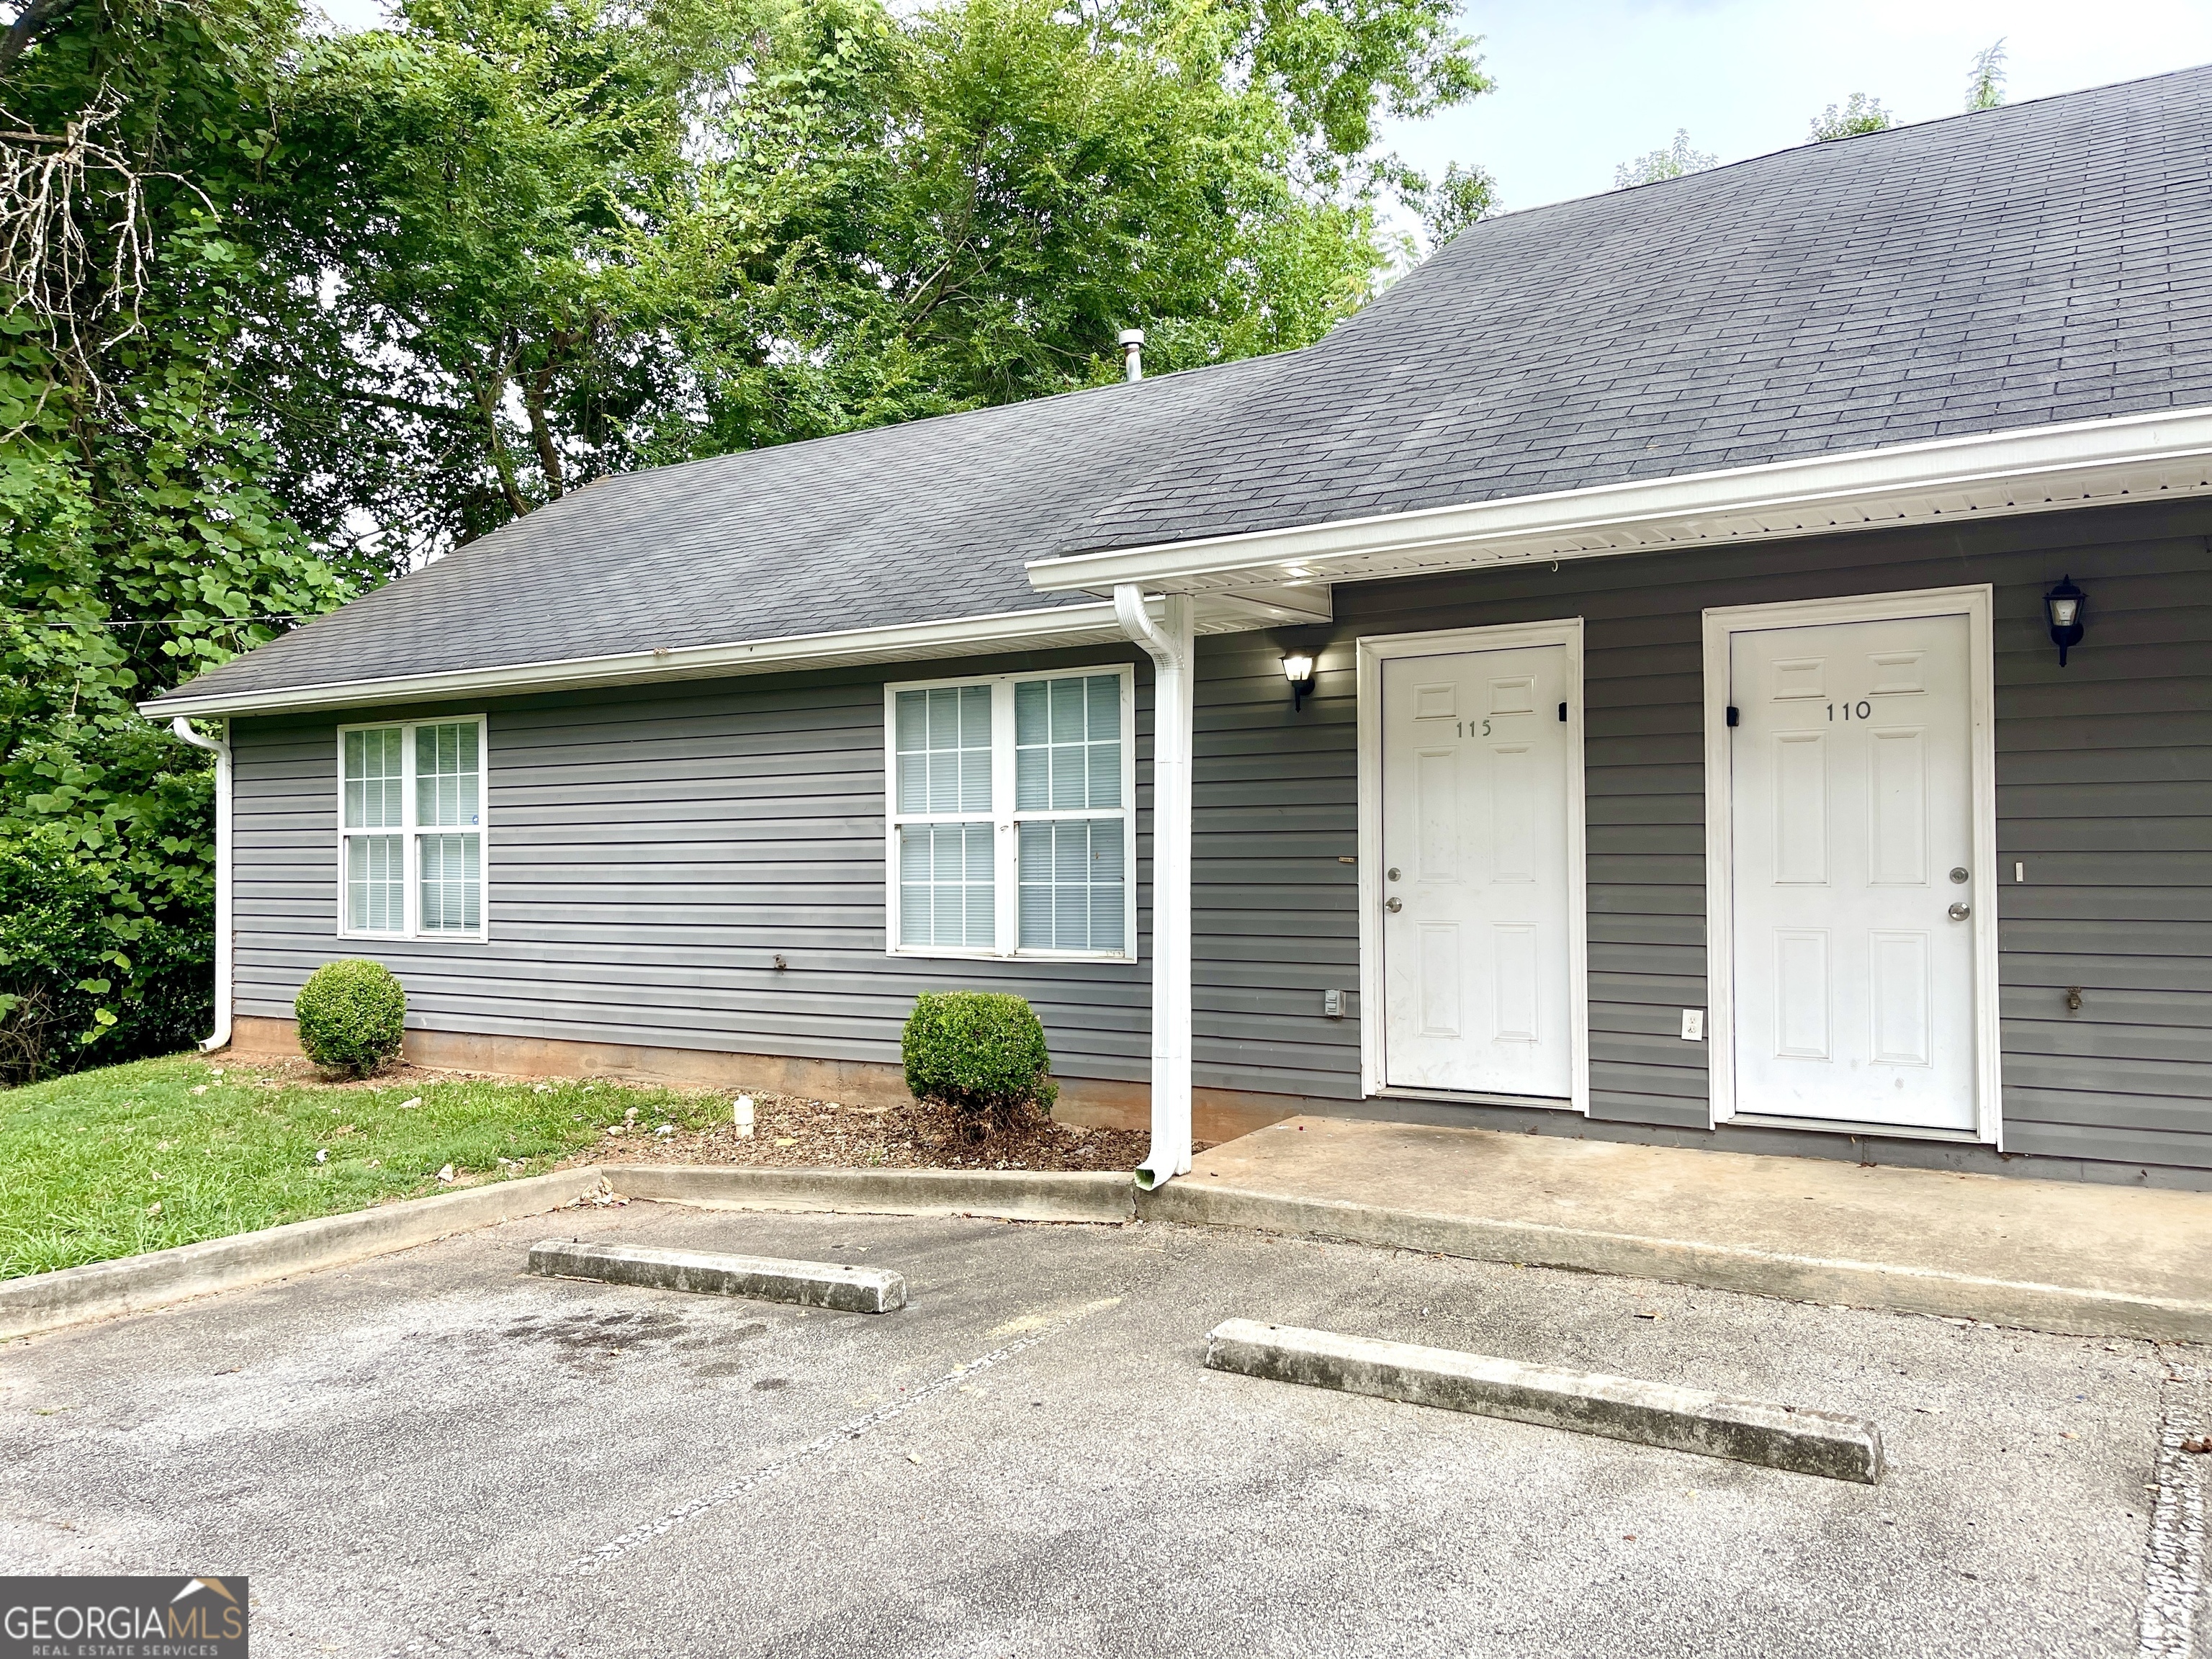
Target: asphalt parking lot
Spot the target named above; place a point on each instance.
(433, 1453)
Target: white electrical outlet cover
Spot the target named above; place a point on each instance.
(1693, 1025)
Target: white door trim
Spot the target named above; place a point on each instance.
(1373, 653)
(1975, 603)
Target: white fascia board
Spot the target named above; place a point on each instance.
(2030, 469)
(1010, 630)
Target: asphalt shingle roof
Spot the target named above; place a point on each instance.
(2040, 263)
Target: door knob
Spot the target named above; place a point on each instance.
(1960, 912)
(1394, 905)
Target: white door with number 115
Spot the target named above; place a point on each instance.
(1474, 891)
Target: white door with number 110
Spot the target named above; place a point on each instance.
(1854, 886)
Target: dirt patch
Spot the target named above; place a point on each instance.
(273, 1070)
(790, 1132)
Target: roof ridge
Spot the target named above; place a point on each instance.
(1826, 144)
(1828, 299)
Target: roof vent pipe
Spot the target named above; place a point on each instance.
(1132, 353)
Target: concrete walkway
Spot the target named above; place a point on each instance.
(2046, 1255)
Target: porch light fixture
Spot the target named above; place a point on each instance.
(2063, 602)
(1299, 669)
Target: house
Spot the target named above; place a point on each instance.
(1725, 663)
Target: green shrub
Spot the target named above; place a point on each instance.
(92, 968)
(980, 1052)
(351, 1015)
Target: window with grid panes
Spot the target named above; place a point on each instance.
(1011, 824)
(411, 825)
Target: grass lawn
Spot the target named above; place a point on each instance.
(139, 1158)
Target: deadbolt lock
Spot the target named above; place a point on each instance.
(1394, 873)
(1959, 874)
(1393, 905)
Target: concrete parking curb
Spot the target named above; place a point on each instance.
(1015, 1194)
(1826, 1443)
(2075, 1309)
(762, 1279)
(40, 1301)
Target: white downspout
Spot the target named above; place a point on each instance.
(220, 747)
(1169, 645)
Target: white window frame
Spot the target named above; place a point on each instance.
(412, 833)
(1005, 839)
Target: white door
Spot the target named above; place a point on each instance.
(1852, 793)
(1475, 883)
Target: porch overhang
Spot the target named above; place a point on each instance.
(2029, 469)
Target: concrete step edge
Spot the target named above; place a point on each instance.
(1014, 1195)
(2082, 1310)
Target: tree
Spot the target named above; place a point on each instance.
(571, 239)
(140, 538)
(967, 205)
(1860, 114)
(1985, 84)
(482, 186)
(1461, 197)
(1672, 162)
(287, 312)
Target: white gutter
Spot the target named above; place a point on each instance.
(2033, 470)
(1170, 643)
(223, 987)
(1008, 631)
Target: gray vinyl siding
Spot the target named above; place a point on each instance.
(650, 854)
(2103, 791)
(651, 851)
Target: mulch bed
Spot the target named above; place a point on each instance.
(791, 1132)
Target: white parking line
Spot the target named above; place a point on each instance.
(615, 1548)
(2174, 1578)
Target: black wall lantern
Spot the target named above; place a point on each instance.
(1299, 669)
(2064, 603)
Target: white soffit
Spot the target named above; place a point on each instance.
(2033, 470)
(1049, 629)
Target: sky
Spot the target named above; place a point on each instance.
(1584, 85)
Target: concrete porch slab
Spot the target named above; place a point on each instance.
(2043, 1255)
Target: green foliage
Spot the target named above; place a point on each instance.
(904, 215)
(1860, 113)
(352, 1014)
(980, 1053)
(141, 537)
(127, 1158)
(1676, 160)
(287, 311)
(1986, 82)
(82, 967)
(1463, 196)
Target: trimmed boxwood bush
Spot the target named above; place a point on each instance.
(980, 1052)
(351, 1015)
